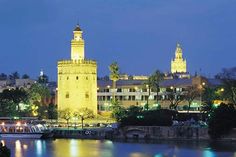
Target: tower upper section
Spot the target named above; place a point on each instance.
(178, 64)
(77, 44)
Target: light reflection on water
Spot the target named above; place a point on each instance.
(106, 148)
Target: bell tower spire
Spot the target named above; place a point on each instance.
(77, 44)
(178, 64)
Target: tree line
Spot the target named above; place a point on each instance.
(21, 102)
(13, 76)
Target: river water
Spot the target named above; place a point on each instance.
(107, 148)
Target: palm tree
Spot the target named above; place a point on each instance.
(148, 85)
(156, 78)
(114, 76)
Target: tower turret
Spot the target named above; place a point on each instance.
(77, 44)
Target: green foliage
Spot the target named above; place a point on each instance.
(134, 110)
(222, 120)
(14, 75)
(118, 112)
(52, 111)
(160, 117)
(228, 78)
(209, 95)
(3, 76)
(146, 107)
(190, 94)
(185, 107)
(4, 151)
(66, 114)
(25, 76)
(84, 113)
(43, 79)
(10, 100)
(174, 97)
(114, 71)
(155, 80)
(37, 92)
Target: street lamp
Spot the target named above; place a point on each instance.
(222, 89)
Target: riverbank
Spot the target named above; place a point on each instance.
(142, 132)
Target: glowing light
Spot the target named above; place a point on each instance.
(18, 149)
(74, 148)
(208, 153)
(18, 123)
(25, 146)
(39, 147)
(3, 142)
(3, 123)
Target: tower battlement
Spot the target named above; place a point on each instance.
(74, 62)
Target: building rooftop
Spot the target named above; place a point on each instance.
(165, 83)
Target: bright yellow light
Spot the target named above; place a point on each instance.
(3, 142)
(18, 123)
(171, 87)
(108, 86)
(222, 89)
(203, 83)
(25, 146)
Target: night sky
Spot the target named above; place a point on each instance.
(141, 35)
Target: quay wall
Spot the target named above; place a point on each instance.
(143, 132)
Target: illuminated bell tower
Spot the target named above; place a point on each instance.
(178, 64)
(77, 78)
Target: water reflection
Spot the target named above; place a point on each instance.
(106, 148)
(208, 153)
(18, 148)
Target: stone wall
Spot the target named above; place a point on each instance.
(161, 132)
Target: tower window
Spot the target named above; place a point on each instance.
(86, 95)
(67, 78)
(86, 78)
(67, 95)
(77, 77)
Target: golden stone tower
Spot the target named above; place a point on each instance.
(77, 78)
(178, 64)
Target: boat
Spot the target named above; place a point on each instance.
(22, 129)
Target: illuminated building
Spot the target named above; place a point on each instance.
(77, 78)
(178, 64)
(134, 92)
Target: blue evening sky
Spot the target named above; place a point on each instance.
(141, 35)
